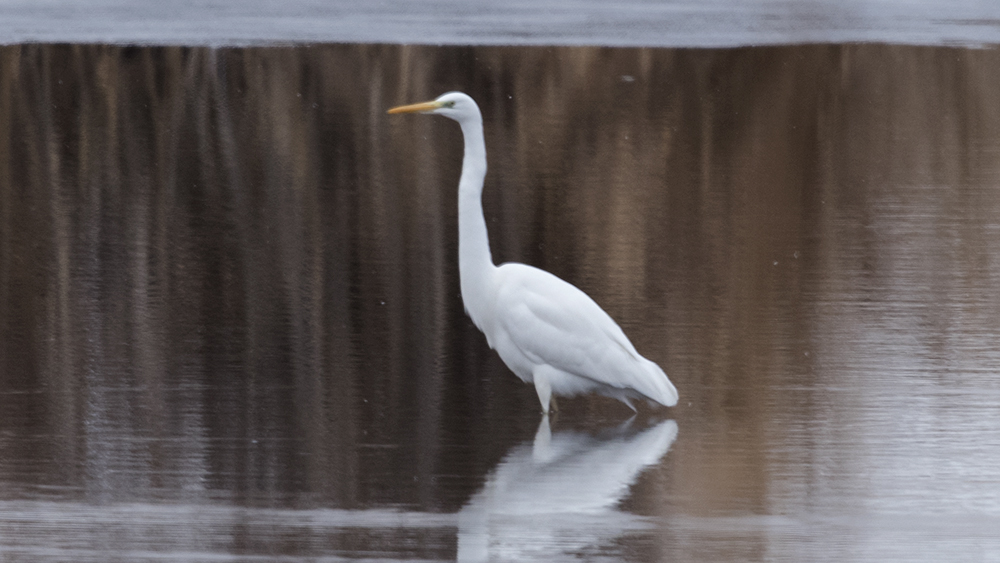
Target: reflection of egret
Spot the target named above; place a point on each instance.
(546, 330)
(558, 496)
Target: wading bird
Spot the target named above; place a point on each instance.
(546, 330)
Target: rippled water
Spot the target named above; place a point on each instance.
(230, 323)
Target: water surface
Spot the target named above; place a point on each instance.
(230, 323)
(622, 23)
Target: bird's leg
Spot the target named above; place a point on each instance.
(627, 424)
(628, 402)
(554, 404)
(541, 449)
(542, 387)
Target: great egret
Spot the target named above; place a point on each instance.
(547, 331)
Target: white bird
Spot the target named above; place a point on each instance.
(546, 330)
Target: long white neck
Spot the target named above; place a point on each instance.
(475, 264)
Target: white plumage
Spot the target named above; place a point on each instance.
(547, 331)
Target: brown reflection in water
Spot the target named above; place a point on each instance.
(229, 272)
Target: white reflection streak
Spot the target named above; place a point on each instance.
(557, 497)
(42, 531)
(547, 499)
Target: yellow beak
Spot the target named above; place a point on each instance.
(416, 108)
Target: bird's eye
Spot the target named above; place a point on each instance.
(448, 104)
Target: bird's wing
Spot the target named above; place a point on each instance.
(552, 322)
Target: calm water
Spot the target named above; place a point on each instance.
(231, 330)
(623, 23)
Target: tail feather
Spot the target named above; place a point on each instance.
(655, 384)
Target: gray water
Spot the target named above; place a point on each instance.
(623, 23)
(231, 329)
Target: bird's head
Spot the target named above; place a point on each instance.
(454, 105)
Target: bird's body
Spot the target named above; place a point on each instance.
(547, 331)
